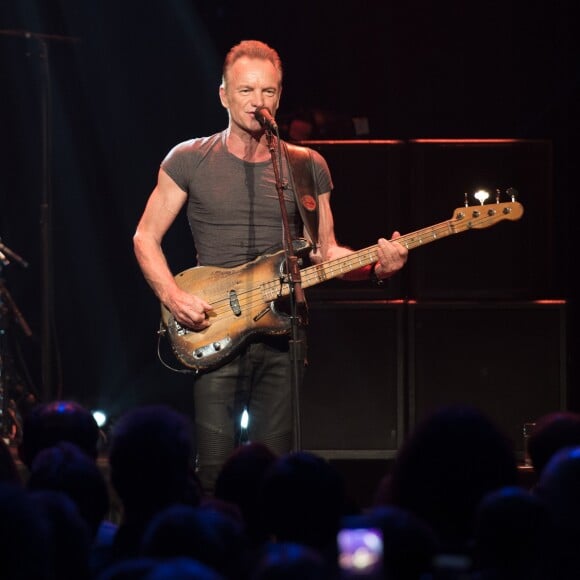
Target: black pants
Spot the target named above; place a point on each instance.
(259, 380)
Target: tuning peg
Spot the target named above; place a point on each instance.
(512, 192)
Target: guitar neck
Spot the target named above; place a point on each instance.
(318, 273)
(464, 219)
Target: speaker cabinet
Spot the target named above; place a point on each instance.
(508, 359)
(382, 186)
(352, 396)
(512, 259)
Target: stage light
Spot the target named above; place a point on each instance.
(245, 419)
(100, 417)
(481, 196)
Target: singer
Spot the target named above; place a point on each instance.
(228, 185)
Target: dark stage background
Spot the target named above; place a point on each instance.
(80, 148)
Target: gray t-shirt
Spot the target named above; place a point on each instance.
(233, 207)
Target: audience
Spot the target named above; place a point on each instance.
(151, 468)
(182, 569)
(68, 537)
(450, 506)
(303, 501)
(454, 456)
(240, 483)
(50, 423)
(512, 536)
(552, 432)
(65, 468)
(208, 535)
(24, 536)
(290, 561)
(409, 545)
(135, 568)
(559, 489)
(59, 448)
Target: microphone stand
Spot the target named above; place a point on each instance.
(296, 295)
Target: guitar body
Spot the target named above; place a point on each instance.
(243, 300)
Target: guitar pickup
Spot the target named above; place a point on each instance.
(235, 303)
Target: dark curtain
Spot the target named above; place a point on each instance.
(127, 80)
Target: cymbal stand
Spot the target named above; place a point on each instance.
(43, 41)
(8, 310)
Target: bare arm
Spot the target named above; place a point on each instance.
(163, 206)
(392, 256)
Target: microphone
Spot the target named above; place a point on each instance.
(266, 119)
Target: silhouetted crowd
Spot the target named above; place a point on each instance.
(453, 504)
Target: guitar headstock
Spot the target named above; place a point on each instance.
(485, 215)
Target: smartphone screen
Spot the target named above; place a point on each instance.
(360, 552)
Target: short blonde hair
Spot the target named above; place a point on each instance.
(251, 49)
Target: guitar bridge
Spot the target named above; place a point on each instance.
(210, 349)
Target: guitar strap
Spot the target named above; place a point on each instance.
(304, 186)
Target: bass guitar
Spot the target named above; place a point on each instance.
(245, 298)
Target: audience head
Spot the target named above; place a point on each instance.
(512, 534)
(67, 469)
(150, 458)
(50, 423)
(289, 561)
(205, 534)
(182, 568)
(551, 433)
(448, 463)
(559, 488)
(69, 538)
(135, 568)
(303, 500)
(24, 536)
(239, 482)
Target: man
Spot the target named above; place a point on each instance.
(228, 182)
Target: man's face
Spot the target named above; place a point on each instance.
(250, 83)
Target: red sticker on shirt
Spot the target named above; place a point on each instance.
(309, 202)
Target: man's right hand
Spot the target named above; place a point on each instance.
(188, 309)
